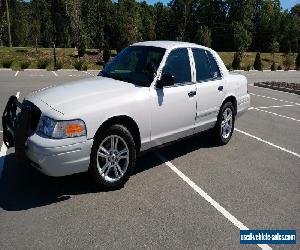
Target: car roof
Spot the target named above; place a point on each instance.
(169, 44)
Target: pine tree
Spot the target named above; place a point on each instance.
(257, 63)
(298, 61)
(237, 59)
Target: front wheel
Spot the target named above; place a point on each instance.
(225, 124)
(113, 157)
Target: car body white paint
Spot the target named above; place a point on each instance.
(162, 115)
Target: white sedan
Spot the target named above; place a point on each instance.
(151, 93)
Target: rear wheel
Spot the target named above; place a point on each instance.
(225, 124)
(113, 157)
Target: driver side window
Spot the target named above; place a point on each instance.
(178, 65)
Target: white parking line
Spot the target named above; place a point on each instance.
(269, 143)
(269, 97)
(54, 73)
(89, 73)
(17, 73)
(276, 106)
(272, 113)
(209, 199)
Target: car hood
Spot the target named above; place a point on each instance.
(74, 95)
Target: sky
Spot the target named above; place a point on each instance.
(286, 4)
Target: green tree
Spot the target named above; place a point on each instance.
(237, 60)
(35, 28)
(147, 21)
(242, 38)
(180, 19)
(257, 63)
(274, 47)
(41, 11)
(127, 24)
(288, 61)
(73, 11)
(297, 62)
(106, 55)
(162, 19)
(97, 16)
(2, 29)
(203, 36)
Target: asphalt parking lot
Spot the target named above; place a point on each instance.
(187, 195)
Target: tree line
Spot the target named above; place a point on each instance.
(224, 25)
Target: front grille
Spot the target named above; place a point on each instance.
(35, 114)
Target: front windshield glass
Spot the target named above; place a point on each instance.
(135, 64)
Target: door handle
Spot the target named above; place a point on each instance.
(220, 88)
(192, 93)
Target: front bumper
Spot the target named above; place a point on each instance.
(59, 160)
(51, 156)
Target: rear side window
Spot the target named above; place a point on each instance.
(203, 71)
(214, 66)
(178, 65)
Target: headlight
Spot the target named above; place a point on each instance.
(61, 129)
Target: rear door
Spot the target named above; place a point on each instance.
(209, 87)
(174, 107)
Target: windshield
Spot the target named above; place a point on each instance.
(135, 64)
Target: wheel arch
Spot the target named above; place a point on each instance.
(127, 122)
(232, 99)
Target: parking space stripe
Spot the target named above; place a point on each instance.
(17, 73)
(272, 113)
(54, 73)
(88, 73)
(269, 143)
(208, 198)
(269, 97)
(276, 106)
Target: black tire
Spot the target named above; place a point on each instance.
(123, 133)
(219, 137)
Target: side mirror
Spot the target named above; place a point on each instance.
(165, 80)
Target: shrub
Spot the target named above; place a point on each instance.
(257, 63)
(298, 61)
(84, 67)
(229, 67)
(279, 67)
(288, 61)
(78, 64)
(24, 65)
(236, 63)
(81, 49)
(273, 66)
(248, 67)
(106, 55)
(59, 64)
(7, 63)
(43, 63)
